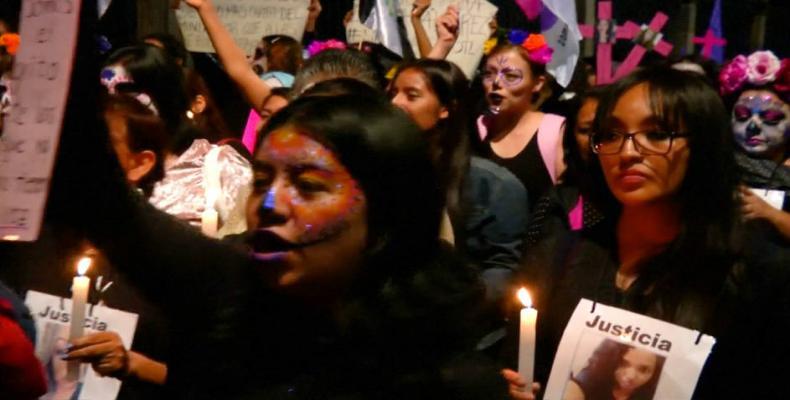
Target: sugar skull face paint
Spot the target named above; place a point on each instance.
(307, 214)
(761, 123)
(508, 83)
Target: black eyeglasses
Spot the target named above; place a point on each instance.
(650, 142)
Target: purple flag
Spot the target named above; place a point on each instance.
(715, 26)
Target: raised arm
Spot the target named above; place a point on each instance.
(447, 33)
(231, 55)
(418, 9)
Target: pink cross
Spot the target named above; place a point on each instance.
(650, 39)
(607, 34)
(708, 42)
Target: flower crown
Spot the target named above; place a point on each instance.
(534, 43)
(317, 46)
(761, 68)
(10, 41)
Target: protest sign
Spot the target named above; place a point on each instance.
(39, 86)
(666, 359)
(52, 315)
(356, 31)
(247, 20)
(474, 29)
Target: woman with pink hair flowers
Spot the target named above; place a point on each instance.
(515, 135)
(757, 88)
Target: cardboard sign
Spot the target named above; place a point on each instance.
(605, 348)
(52, 316)
(474, 30)
(356, 31)
(40, 84)
(247, 20)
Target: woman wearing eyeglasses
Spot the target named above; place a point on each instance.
(668, 244)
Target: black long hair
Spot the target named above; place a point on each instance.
(597, 378)
(681, 284)
(576, 169)
(386, 154)
(158, 75)
(449, 139)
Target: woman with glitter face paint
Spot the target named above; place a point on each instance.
(341, 288)
(758, 89)
(525, 141)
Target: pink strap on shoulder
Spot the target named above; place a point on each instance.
(251, 131)
(482, 128)
(549, 137)
(576, 215)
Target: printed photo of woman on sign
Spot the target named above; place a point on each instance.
(614, 370)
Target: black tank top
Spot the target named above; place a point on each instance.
(529, 168)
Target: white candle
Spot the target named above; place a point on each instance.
(526, 347)
(79, 298)
(208, 222)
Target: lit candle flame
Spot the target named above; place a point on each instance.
(523, 296)
(83, 264)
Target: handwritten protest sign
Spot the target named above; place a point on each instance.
(474, 29)
(52, 315)
(670, 357)
(39, 86)
(356, 32)
(247, 20)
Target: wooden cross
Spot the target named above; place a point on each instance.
(647, 38)
(708, 42)
(606, 32)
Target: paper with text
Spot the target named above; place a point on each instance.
(474, 29)
(52, 316)
(605, 349)
(40, 84)
(247, 20)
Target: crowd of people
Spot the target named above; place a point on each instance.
(374, 219)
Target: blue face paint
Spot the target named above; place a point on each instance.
(268, 200)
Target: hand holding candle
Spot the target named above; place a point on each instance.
(526, 348)
(209, 218)
(79, 299)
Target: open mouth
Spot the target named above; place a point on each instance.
(495, 99)
(264, 241)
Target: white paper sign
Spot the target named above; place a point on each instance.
(40, 84)
(474, 30)
(52, 316)
(608, 349)
(247, 20)
(776, 198)
(356, 31)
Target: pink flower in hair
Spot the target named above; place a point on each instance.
(537, 50)
(763, 66)
(733, 75)
(318, 46)
(782, 84)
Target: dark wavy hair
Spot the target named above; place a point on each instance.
(597, 379)
(385, 153)
(282, 53)
(682, 283)
(145, 131)
(449, 139)
(157, 74)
